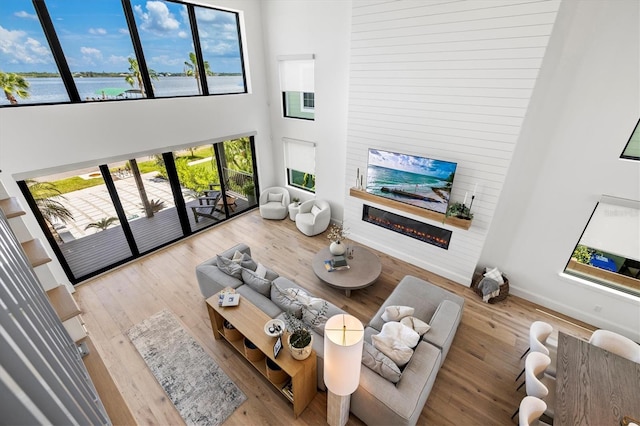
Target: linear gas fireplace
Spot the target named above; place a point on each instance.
(438, 237)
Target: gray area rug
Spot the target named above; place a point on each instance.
(201, 392)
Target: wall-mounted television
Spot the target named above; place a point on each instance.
(411, 179)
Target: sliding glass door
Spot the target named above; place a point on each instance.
(103, 216)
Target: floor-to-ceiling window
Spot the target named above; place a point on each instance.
(102, 216)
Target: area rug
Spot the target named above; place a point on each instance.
(201, 392)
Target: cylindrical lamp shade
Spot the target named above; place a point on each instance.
(343, 341)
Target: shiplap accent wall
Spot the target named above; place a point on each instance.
(449, 80)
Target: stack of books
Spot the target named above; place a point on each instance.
(288, 390)
(338, 263)
(228, 297)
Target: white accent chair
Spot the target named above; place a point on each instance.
(274, 203)
(617, 344)
(314, 217)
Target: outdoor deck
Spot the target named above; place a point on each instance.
(103, 248)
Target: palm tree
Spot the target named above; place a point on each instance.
(44, 194)
(191, 69)
(13, 83)
(135, 77)
(102, 224)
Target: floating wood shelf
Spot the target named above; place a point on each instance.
(63, 302)
(35, 252)
(428, 214)
(11, 207)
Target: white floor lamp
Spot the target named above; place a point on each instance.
(343, 341)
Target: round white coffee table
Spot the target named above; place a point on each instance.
(364, 270)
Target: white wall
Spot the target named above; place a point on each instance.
(450, 81)
(583, 111)
(319, 27)
(57, 137)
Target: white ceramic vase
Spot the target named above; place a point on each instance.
(337, 248)
(300, 353)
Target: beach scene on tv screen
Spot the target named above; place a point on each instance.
(410, 179)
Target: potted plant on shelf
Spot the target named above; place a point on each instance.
(337, 233)
(459, 210)
(300, 340)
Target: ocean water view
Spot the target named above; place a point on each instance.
(409, 188)
(52, 90)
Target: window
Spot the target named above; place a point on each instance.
(300, 163)
(78, 50)
(632, 150)
(97, 46)
(103, 216)
(27, 67)
(608, 252)
(297, 86)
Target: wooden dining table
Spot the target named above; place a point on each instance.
(594, 386)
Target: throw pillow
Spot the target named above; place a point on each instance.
(396, 313)
(494, 274)
(229, 267)
(311, 314)
(380, 363)
(261, 270)
(285, 301)
(244, 260)
(415, 324)
(274, 197)
(315, 210)
(261, 285)
(396, 341)
(398, 353)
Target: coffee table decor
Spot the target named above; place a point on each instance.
(337, 234)
(199, 389)
(364, 269)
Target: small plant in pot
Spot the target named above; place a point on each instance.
(296, 201)
(300, 337)
(459, 210)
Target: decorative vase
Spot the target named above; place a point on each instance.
(337, 248)
(300, 353)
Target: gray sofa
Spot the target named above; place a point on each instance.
(377, 400)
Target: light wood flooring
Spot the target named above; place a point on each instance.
(474, 386)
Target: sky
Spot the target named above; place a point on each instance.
(94, 36)
(411, 163)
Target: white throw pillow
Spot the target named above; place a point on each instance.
(315, 210)
(415, 324)
(495, 275)
(396, 313)
(396, 352)
(261, 270)
(396, 341)
(274, 197)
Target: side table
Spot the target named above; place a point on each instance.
(294, 209)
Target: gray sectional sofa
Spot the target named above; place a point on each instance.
(377, 401)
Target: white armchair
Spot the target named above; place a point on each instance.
(274, 203)
(314, 217)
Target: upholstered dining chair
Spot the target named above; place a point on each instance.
(314, 217)
(539, 341)
(537, 383)
(531, 408)
(274, 203)
(617, 344)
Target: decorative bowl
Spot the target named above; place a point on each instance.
(274, 327)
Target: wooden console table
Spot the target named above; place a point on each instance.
(249, 321)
